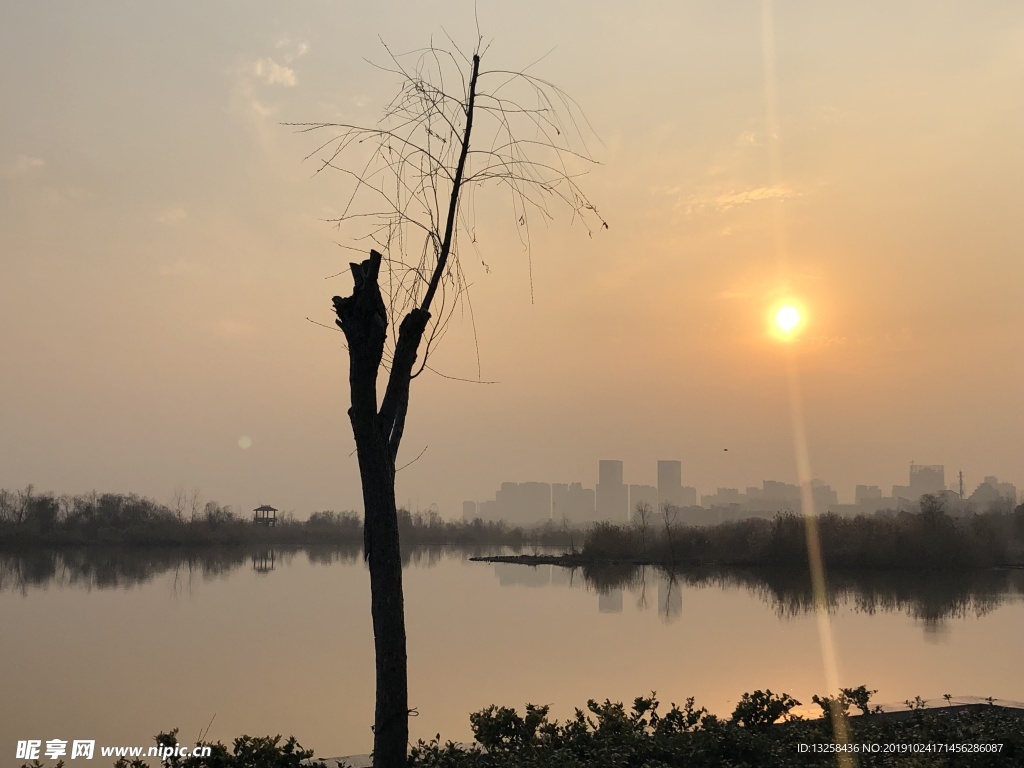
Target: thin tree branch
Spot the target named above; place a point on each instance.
(446, 244)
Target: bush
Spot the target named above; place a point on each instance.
(608, 541)
(606, 735)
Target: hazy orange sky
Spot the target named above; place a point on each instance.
(162, 245)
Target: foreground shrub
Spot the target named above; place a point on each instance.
(762, 731)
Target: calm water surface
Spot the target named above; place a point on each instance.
(116, 648)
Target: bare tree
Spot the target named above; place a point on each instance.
(669, 513)
(414, 176)
(18, 512)
(570, 534)
(642, 514)
(7, 505)
(178, 502)
(182, 500)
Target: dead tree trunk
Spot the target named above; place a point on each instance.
(363, 318)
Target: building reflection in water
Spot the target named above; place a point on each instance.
(263, 560)
(928, 598)
(936, 631)
(515, 575)
(610, 601)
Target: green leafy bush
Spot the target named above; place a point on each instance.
(762, 731)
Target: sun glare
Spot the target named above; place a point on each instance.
(786, 321)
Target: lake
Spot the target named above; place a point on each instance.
(116, 646)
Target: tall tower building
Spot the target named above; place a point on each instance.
(609, 472)
(925, 478)
(612, 494)
(670, 483)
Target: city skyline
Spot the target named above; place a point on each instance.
(613, 499)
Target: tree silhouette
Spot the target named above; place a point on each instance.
(415, 170)
(642, 515)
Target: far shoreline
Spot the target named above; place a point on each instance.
(568, 560)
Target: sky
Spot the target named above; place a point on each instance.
(166, 256)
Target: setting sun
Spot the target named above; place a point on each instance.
(787, 319)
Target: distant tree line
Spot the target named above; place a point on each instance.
(28, 517)
(926, 539)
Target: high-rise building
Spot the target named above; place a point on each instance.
(559, 501)
(524, 503)
(822, 496)
(926, 478)
(469, 511)
(994, 495)
(609, 472)
(670, 484)
(775, 489)
(642, 494)
(572, 502)
(612, 494)
(866, 493)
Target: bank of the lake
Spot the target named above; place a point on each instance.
(923, 540)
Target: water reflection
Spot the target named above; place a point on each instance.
(263, 560)
(670, 597)
(207, 626)
(100, 568)
(610, 601)
(930, 597)
(124, 568)
(512, 575)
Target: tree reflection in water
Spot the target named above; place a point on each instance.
(928, 596)
(931, 597)
(126, 567)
